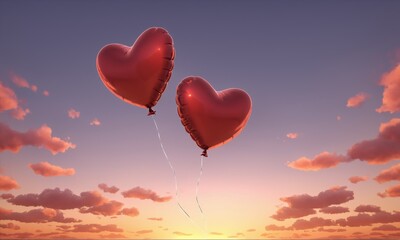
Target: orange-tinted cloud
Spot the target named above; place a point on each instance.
(216, 233)
(391, 192)
(314, 222)
(22, 235)
(95, 228)
(182, 234)
(274, 227)
(48, 170)
(321, 229)
(382, 149)
(292, 135)
(132, 212)
(95, 122)
(109, 208)
(357, 100)
(391, 174)
(320, 161)
(155, 219)
(334, 210)
(304, 205)
(107, 189)
(368, 208)
(144, 231)
(22, 82)
(13, 140)
(8, 99)
(42, 215)
(142, 193)
(112, 235)
(72, 113)
(357, 179)
(10, 226)
(391, 98)
(251, 230)
(386, 227)
(58, 199)
(364, 219)
(8, 183)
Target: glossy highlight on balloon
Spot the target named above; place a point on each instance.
(212, 118)
(138, 74)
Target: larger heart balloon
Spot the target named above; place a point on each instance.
(211, 118)
(138, 74)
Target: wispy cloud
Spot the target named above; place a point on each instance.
(48, 170)
(320, 161)
(95, 122)
(141, 193)
(13, 140)
(357, 100)
(72, 113)
(7, 183)
(22, 82)
(357, 179)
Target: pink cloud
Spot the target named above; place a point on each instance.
(314, 222)
(109, 208)
(95, 228)
(338, 117)
(6, 196)
(48, 170)
(320, 161)
(142, 193)
(43, 215)
(46, 93)
(368, 208)
(13, 140)
(72, 113)
(382, 149)
(155, 219)
(22, 235)
(20, 113)
(304, 205)
(391, 174)
(363, 219)
(357, 179)
(292, 135)
(321, 229)
(58, 199)
(357, 100)
(333, 196)
(132, 212)
(391, 99)
(284, 213)
(8, 183)
(10, 226)
(334, 210)
(95, 122)
(386, 227)
(107, 189)
(391, 192)
(8, 99)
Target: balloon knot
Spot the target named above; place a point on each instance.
(204, 153)
(151, 112)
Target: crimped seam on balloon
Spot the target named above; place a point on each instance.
(168, 65)
(182, 113)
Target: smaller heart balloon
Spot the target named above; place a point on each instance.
(138, 74)
(211, 118)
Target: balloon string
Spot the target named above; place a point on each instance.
(172, 168)
(174, 173)
(197, 192)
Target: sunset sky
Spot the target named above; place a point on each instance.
(318, 158)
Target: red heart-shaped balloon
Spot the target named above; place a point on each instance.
(138, 74)
(211, 118)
